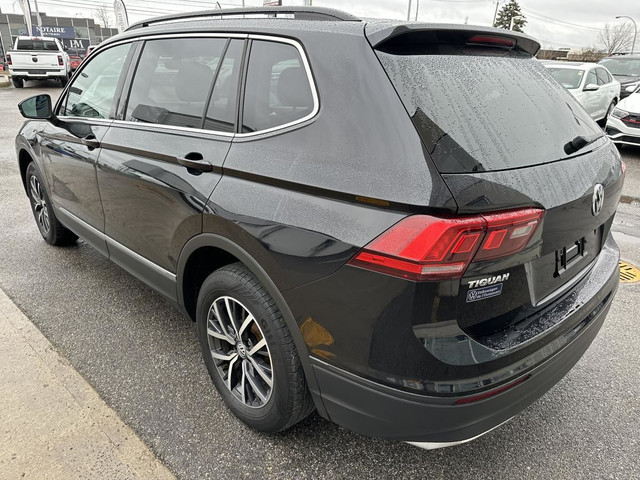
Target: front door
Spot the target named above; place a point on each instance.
(71, 144)
(163, 157)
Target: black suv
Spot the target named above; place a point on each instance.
(626, 70)
(402, 225)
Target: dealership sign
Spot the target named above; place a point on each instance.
(58, 32)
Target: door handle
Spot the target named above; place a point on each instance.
(195, 161)
(90, 141)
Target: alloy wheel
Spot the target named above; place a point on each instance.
(39, 205)
(240, 351)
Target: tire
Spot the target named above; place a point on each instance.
(17, 82)
(64, 80)
(603, 122)
(237, 293)
(53, 232)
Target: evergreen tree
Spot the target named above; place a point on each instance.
(506, 13)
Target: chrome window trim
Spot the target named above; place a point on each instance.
(93, 121)
(268, 38)
(311, 80)
(161, 126)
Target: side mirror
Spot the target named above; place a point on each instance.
(38, 107)
(592, 87)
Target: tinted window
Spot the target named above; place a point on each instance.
(37, 45)
(567, 77)
(484, 112)
(591, 79)
(221, 115)
(603, 76)
(277, 90)
(172, 81)
(92, 91)
(622, 66)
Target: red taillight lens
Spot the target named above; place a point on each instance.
(422, 247)
(9, 59)
(60, 62)
(492, 40)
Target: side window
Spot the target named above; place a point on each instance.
(92, 91)
(591, 79)
(602, 76)
(277, 90)
(221, 114)
(172, 81)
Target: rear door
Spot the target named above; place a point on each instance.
(163, 155)
(500, 129)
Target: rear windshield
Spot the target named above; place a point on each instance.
(482, 112)
(37, 45)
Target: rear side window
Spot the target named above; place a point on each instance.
(603, 76)
(592, 79)
(92, 92)
(277, 89)
(29, 44)
(221, 114)
(172, 81)
(484, 112)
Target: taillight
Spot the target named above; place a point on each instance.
(492, 41)
(60, 61)
(422, 247)
(9, 59)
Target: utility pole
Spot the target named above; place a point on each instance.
(417, 9)
(495, 14)
(409, 11)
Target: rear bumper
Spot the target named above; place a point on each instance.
(372, 409)
(45, 73)
(430, 421)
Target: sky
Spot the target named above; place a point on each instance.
(554, 23)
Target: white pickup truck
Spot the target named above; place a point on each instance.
(38, 58)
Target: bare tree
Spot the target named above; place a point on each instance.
(616, 38)
(103, 15)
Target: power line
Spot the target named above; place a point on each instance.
(558, 21)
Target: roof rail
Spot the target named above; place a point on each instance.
(299, 13)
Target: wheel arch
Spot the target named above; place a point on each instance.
(24, 159)
(202, 246)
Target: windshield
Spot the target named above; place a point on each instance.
(629, 67)
(567, 77)
(37, 45)
(484, 112)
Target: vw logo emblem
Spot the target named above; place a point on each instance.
(242, 350)
(597, 201)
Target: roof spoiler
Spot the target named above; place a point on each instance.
(395, 36)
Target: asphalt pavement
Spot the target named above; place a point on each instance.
(143, 359)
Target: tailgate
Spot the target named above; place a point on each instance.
(34, 60)
(564, 248)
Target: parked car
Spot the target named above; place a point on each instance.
(405, 226)
(623, 125)
(591, 84)
(626, 69)
(89, 49)
(38, 58)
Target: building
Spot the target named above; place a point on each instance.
(76, 33)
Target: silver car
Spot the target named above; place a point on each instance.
(591, 84)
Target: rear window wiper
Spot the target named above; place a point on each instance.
(581, 141)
